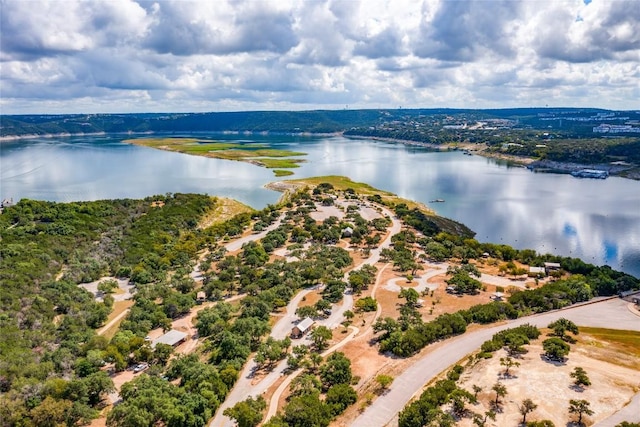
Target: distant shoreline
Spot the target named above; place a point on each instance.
(543, 166)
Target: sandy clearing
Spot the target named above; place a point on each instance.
(550, 386)
(435, 359)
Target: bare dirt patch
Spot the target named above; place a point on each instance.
(550, 386)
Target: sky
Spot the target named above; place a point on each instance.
(191, 56)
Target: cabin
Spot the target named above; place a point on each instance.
(201, 297)
(551, 266)
(537, 271)
(173, 338)
(304, 326)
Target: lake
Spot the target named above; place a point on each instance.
(596, 220)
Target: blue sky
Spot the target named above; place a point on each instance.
(152, 56)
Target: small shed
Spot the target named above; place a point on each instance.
(302, 327)
(536, 271)
(347, 232)
(173, 338)
(201, 297)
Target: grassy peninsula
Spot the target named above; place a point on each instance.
(258, 154)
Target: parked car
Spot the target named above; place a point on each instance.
(140, 367)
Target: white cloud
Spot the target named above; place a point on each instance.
(60, 56)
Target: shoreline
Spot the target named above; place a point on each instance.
(535, 165)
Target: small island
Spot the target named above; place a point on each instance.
(257, 154)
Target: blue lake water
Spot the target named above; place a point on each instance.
(596, 220)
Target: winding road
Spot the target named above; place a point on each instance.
(244, 387)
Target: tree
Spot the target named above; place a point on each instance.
(307, 311)
(526, 407)
(307, 411)
(555, 348)
(508, 363)
(320, 337)
(366, 304)
(543, 423)
(481, 421)
(580, 407)
(336, 370)
(628, 424)
(501, 391)
(305, 384)
(384, 381)
(247, 413)
(580, 377)
(340, 396)
(459, 397)
(476, 389)
(108, 286)
(561, 326)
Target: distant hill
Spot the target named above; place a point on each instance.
(317, 121)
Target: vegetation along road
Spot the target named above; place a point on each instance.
(609, 313)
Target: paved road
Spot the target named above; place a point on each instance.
(630, 413)
(611, 313)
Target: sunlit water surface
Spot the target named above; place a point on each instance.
(596, 220)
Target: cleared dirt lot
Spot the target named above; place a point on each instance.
(550, 386)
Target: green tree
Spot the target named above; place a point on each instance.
(560, 328)
(247, 413)
(501, 391)
(581, 379)
(542, 423)
(320, 337)
(476, 389)
(481, 421)
(508, 363)
(108, 286)
(336, 370)
(580, 407)
(306, 311)
(339, 397)
(555, 348)
(525, 407)
(307, 411)
(384, 381)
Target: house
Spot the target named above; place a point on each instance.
(201, 297)
(302, 327)
(173, 338)
(551, 266)
(537, 271)
(347, 232)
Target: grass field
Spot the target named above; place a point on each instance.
(628, 341)
(257, 154)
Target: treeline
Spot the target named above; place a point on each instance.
(357, 122)
(584, 150)
(50, 356)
